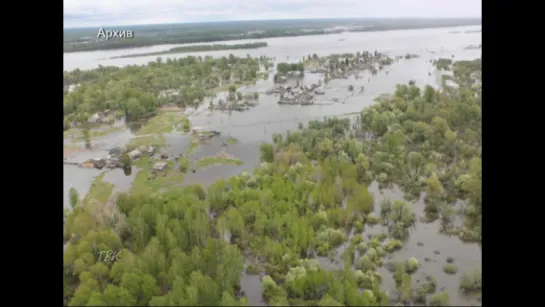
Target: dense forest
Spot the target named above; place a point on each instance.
(198, 48)
(136, 91)
(189, 246)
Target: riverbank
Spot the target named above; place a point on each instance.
(197, 48)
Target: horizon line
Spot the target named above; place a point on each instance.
(280, 19)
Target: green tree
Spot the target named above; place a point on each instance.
(73, 196)
(267, 152)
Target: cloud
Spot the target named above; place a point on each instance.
(85, 13)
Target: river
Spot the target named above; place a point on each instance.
(399, 41)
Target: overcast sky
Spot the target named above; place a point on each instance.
(94, 13)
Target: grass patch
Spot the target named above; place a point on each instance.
(193, 144)
(146, 141)
(99, 192)
(231, 141)
(76, 134)
(450, 269)
(225, 87)
(472, 282)
(254, 269)
(71, 133)
(143, 162)
(146, 182)
(217, 160)
(186, 125)
(163, 122)
(68, 149)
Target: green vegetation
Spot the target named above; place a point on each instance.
(285, 69)
(450, 268)
(427, 287)
(73, 196)
(183, 164)
(409, 56)
(411, 265)
(440, 299)
(126, 160)
(188, 245)
(231, 141)
(198, 48)
(86, 136)
(147, 181)
(99, 192)
(186, 124)
(336, 66)
(164, 122)
(77, 134)
(254, 269)
(472, 282)
(443, 64)
(217, 160)
(135, 92)
(146, 141)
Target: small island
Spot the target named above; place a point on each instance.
(198, 48)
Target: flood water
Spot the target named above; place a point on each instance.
(404, 41)
(248, 152)
(257, 125)
(427, 245)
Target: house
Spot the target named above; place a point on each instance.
(135, 154)
(151, 150)
(159, 166)
(116, 151)
(98, 163)
(95, 118)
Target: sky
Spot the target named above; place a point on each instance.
(96, 13)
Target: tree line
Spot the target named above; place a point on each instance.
(136, 91)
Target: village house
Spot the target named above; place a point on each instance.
(159, 166)
(135, 154)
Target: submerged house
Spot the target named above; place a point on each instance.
(159, 166)
(135, 154)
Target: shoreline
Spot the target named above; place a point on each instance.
(197, 48)
(203, 40)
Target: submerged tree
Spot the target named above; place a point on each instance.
(73, 196)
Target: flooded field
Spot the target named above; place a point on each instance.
(426, 244)
(251, 128)
(247, 152)
(253, 289)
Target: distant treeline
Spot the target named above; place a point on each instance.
(85, 39)
(199, 48)
(152, 41)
